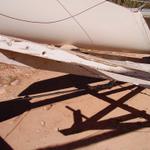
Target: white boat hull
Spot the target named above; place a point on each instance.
(85, 23)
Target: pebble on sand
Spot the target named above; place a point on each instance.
(15, 82)
(43, 123)
(48, 107)
(2, 90)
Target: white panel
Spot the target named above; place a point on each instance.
(76, 63)
(114, 26)
(106, 23)
(77, 6)
(33, 10)
(62, 32)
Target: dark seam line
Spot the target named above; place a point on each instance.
(147, 36)
(85, 32)
(50, 22)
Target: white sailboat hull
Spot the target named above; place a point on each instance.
(85, 23)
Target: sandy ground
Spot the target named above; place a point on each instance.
(65, 112)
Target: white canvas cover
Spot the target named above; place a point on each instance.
(84, 23)
(52, 58)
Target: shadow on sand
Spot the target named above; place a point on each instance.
(4, 145)
(15, 107)
(118, 125)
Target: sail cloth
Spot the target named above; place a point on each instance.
(85, 23)
(46, 57)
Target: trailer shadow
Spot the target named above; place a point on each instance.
(14, 107)
(118, 125)
(94, 123)
(4, 145)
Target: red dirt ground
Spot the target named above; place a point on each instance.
(105, 118)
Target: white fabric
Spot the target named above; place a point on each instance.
(84, 23)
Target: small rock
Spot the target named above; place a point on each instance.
(15, 82)
(2, 90)
(68, 47)
(43, 123)
(48, 107)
